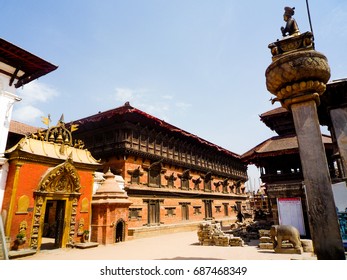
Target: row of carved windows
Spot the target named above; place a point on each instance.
(171, 148)
(187, 182)
(153, 209)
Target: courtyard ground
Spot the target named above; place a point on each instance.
(175, 246)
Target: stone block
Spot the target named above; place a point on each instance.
(264, 232)
(265, 239)
(269, 246)
(236, 241)
(307, 245)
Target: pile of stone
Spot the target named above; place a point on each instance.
(248, 230)
(265, 241)
(211, 234)
(236, 241)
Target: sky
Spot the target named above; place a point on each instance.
(196, 64)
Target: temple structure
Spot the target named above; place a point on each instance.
(280, 168)
(174, 179)
(279, 161)
(48, 191)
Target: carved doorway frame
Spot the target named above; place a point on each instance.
(60, 183)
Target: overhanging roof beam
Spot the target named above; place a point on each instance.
(14, 75)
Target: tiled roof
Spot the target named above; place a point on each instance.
(21, 128)
(278, 145)
(131, 114)
(21, 60)
(275, 111)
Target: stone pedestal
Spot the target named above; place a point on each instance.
(288, 251)
(307, 245)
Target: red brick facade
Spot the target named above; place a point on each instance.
(48, 193)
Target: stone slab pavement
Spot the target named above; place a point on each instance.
(175, 246)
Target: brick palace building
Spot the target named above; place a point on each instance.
(174, 179)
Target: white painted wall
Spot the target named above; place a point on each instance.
(7, 100)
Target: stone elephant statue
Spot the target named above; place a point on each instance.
(279, 233)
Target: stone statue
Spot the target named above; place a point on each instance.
(279, 233)
(291, 26)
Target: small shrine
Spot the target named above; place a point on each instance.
(48, 190)
(110, 212)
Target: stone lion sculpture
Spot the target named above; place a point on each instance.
(280, 233)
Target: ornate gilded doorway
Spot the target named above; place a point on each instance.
(53, 227)
(55, 210)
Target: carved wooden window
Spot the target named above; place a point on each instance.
(158, 144)
(143, 140)
(225, 184)
(154, 177)
(185, 178)
(208, 209)
(151, 142)
(135, 176)
(170, 211)
(164, 147)
(226, 209)
(154, 174)
(171, 180)
(185, 211)
(136, 140)
(135, 213)
(176, 151)
(183, 154)
(218, 208)
(197, 183)
(238, 187)
(197, 210)
(208, 182)
(216, 186)
(153, 211)
(170, 149)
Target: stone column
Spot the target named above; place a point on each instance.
(297, 76)
(322, 212)
(339, 121)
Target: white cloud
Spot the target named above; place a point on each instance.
(37, 92)
(33, 95)
(125, 94)
(183, 106)
(27, 114)
(149, 101)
